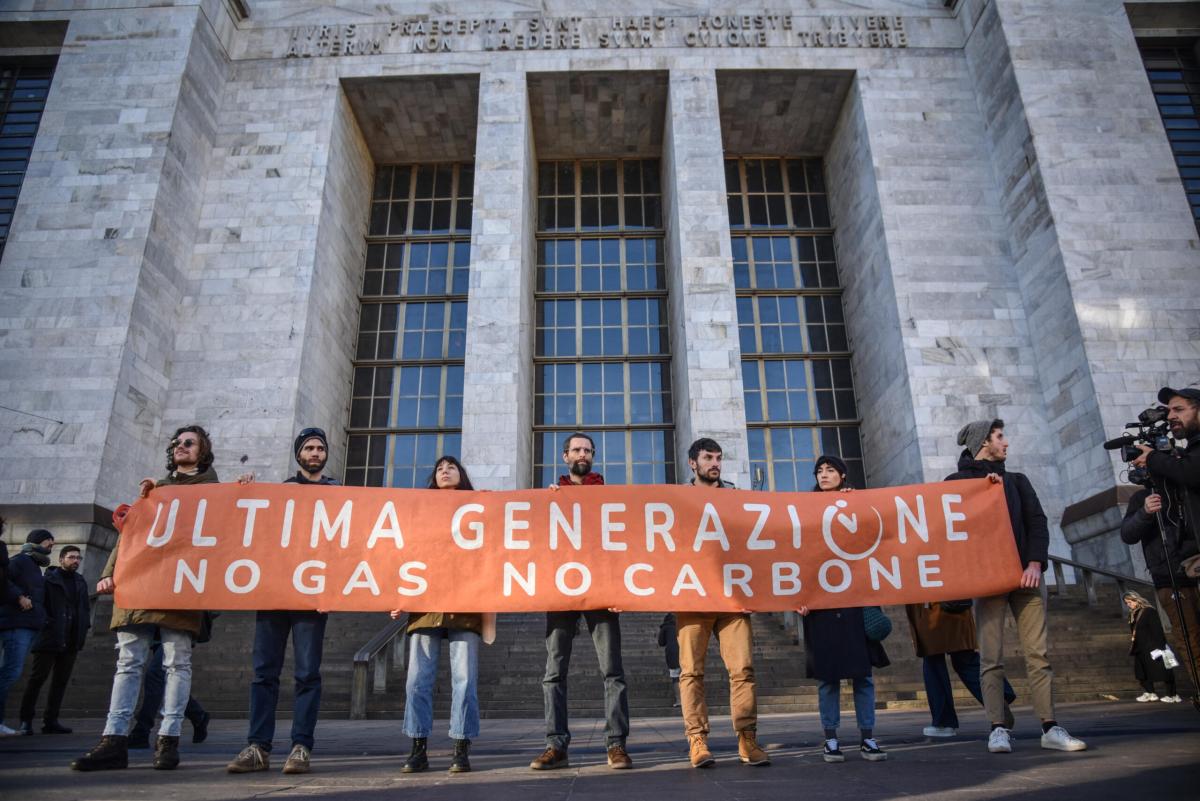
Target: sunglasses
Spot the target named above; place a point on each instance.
(185, 443)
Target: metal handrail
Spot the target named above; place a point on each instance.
(372, 659)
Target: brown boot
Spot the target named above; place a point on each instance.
(748, 750)
(112, 753)
(166, 753)
(550, 759)
(698, 750)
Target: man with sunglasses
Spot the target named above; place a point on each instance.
(189, 461)
(271, 630)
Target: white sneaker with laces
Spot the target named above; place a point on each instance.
(999, 741)
(1144, 697)
(939, 731)
(1057, 739)
(1171, 699)
(6, 732)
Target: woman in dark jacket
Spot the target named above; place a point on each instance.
(1147, 638)
(426, 630)
(836, 647)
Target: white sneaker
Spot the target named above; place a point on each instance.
(1057, 739)
(939, 731)
(1171, 699)
(999, 742)
(1144, 697)
(6, 732)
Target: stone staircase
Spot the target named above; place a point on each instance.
(1088, 648)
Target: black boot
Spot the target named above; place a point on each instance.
(166, 753)
(418, 760)
(200, 728)
(54, 727)
(111, 753)
(26, 727)
(459, 762)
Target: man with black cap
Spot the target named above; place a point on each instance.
(68, 618)
(985, 450)
(1176, 476)
(23, 611)
(271, 630)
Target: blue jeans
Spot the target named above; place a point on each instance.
(424, 650)
(605, 628)
(941, 695)
(153, 689)
(16, 644)
(271, 631)
(133, 644)
(828, 702)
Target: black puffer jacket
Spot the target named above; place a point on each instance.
(1141, 528)
(1024, 509)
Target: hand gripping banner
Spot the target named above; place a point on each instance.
(641, 548)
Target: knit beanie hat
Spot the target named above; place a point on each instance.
(974, 434)
(38, 536)
(834, 462)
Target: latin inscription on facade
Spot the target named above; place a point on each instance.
(461, 34)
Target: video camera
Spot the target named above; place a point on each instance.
(1153, 430)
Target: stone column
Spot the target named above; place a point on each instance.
(497, 439)
(1100, 230)
(705, 354)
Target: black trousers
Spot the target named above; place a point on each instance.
(57, 667)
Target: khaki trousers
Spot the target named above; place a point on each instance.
(736, 639)
(1029, 611)
(1191, 612)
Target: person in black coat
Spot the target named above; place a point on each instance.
(23, 610)
(1147, 644)
(836, 647)
(68, 618)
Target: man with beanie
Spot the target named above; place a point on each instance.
(68, 618)
(271, 630)
(734, 633)
(985, 450)
(23, 612)
(189, 463)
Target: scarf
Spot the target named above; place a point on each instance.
(589, 480)
(37, 553)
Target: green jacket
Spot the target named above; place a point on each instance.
(181, 619)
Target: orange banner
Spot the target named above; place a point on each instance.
(644, 548)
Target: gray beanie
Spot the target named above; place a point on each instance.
(974, 434)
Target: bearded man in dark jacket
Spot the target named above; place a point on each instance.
(984, 455)
(68, 618)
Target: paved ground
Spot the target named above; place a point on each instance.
(1136, 751)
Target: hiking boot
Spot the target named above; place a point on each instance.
(252, 759)
(459, 763)
(200, 728)
(698, 751)
(166, 753)
(748, 749)
(1057, 739)
(618, 758)
(999, 741)
(871, 750)
(418, 760)
(54, 727)
(298, 760)
(111, 753)
(550, 759)
(832, 752)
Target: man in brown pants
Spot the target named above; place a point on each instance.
(736, 638)
(984, 454)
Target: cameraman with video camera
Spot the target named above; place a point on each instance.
(1171, 497)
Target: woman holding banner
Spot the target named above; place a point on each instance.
(836, 647)
(426, 630)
